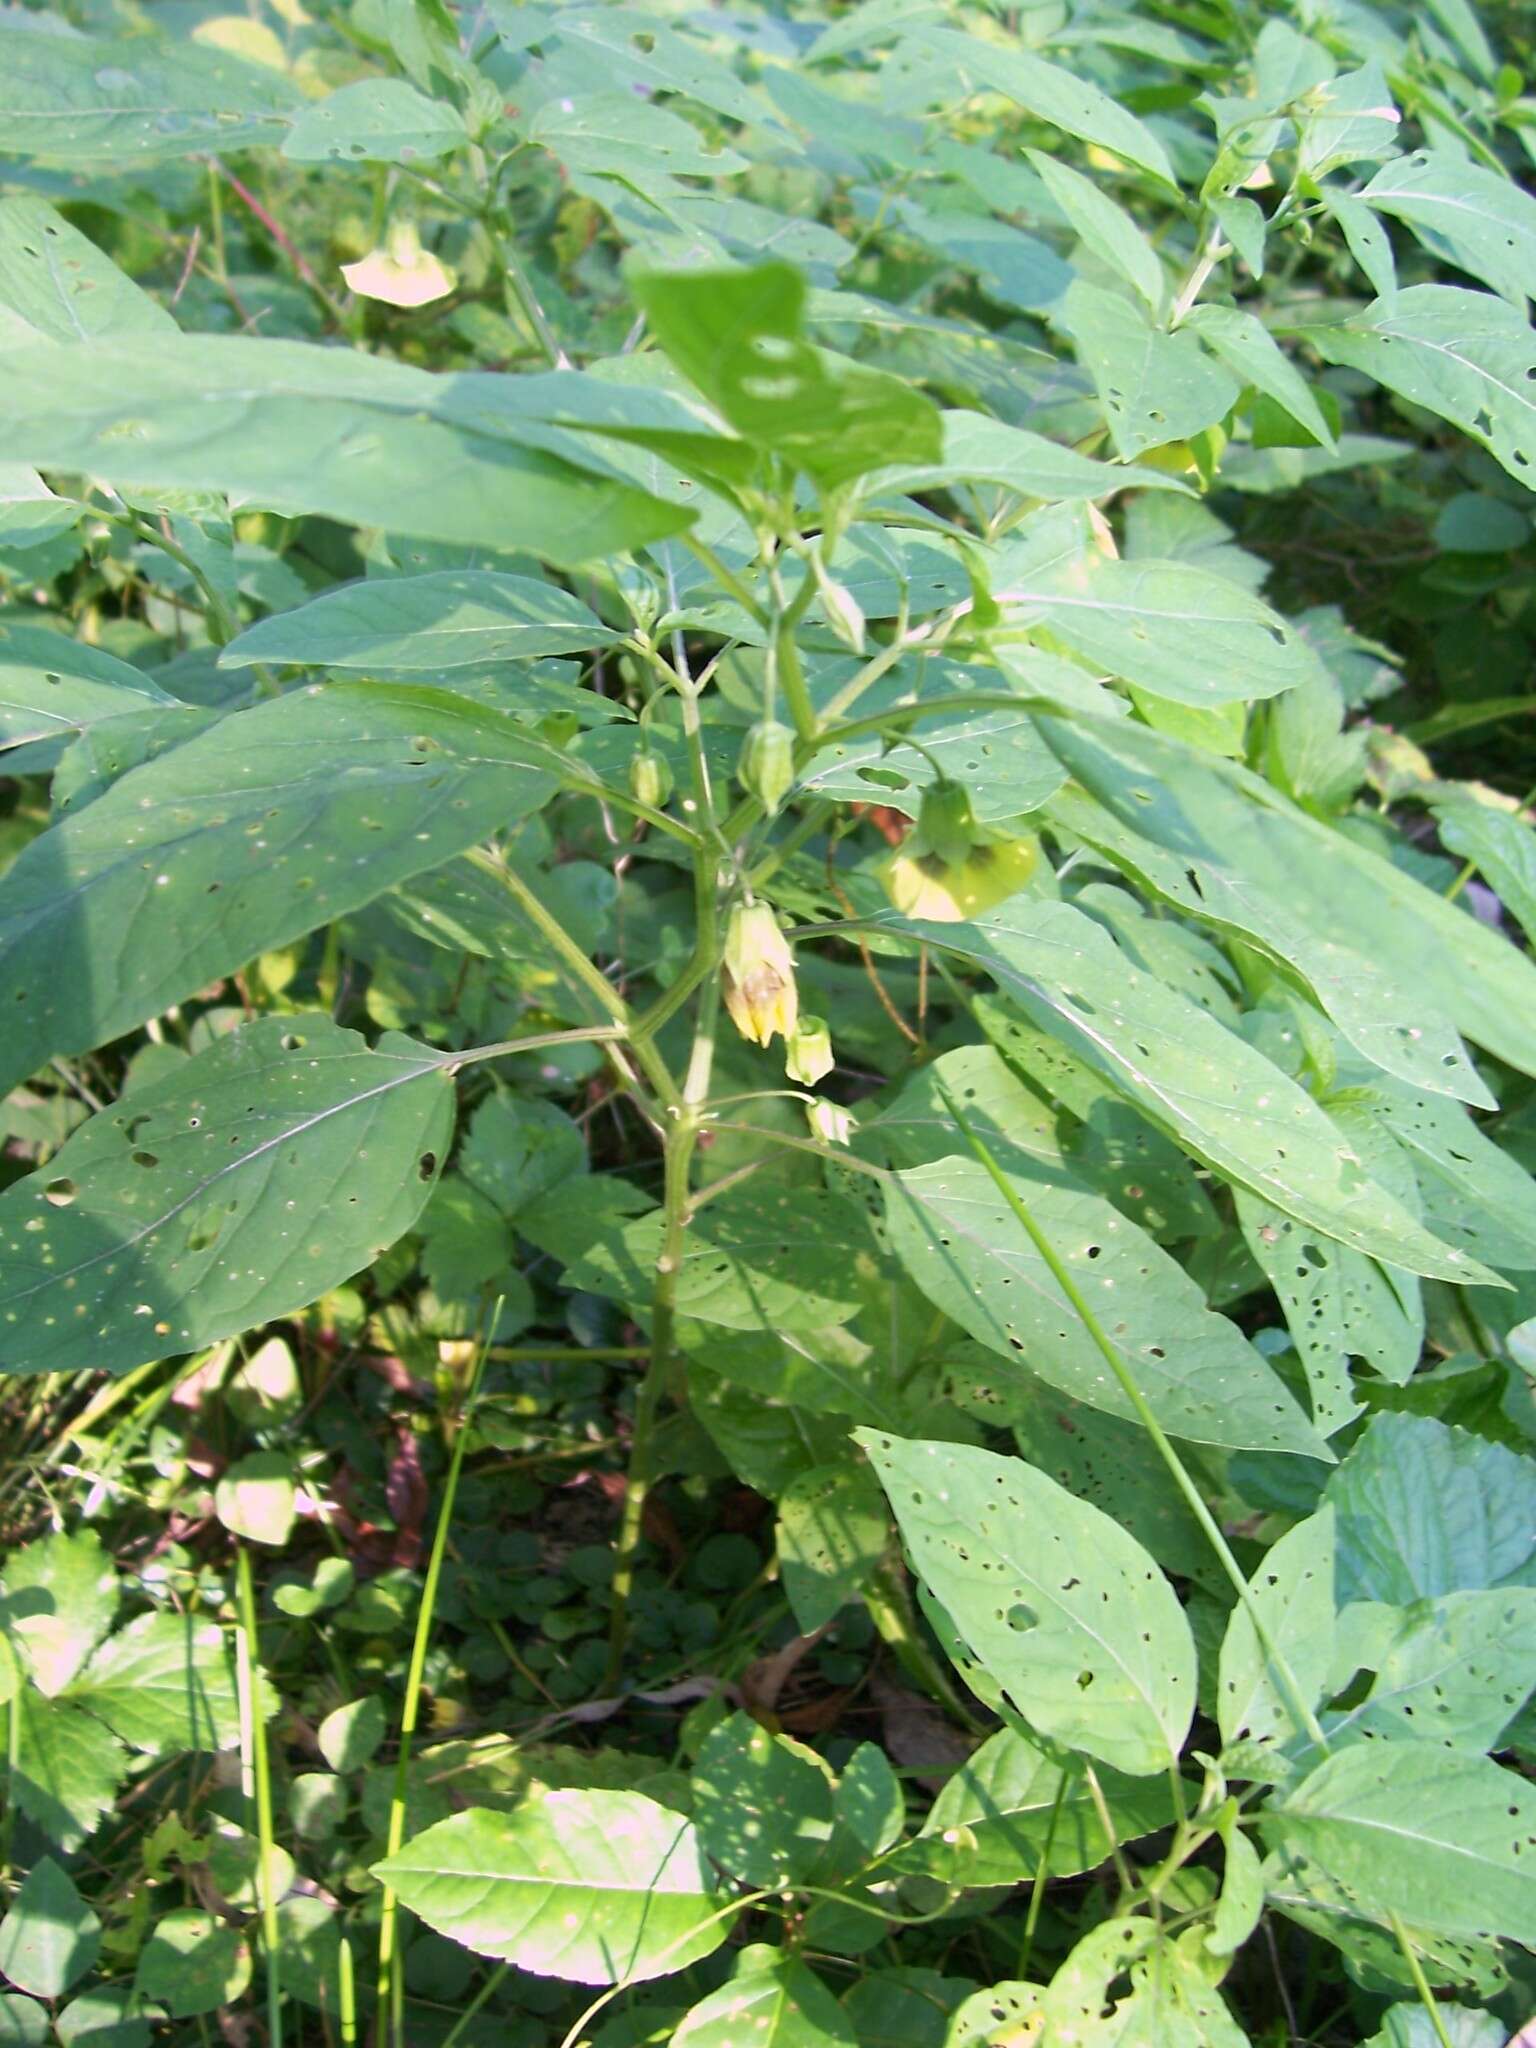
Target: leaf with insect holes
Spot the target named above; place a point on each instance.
(254, 1176)
(832, 1537)
(1063, 1610)
(1482, 221)
(376, 121)
(51, 686)
(55, 281)
(774, 2001)
(272, 822)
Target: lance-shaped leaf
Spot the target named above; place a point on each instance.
(1435, 1835)
(81, 100)
(51, 686)
(1480, 220)
(1006, 767)
(979, 450)
(1207, 1087)
(773, 2001)
(55, 281)
(1465, 355)
(964, 1246)
(272, 822)
(1208, 837)
(376, 121)
(590, 1886)
(1063, 1610)
(263, 1171)
(1154, 387)
(403, 627)
(1457, 1671)
(1292, 1594)
(295, 428)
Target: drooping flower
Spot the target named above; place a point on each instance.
(949, 892)
(808, 1052)
(760, 991)
(829, 1121)
(402, 273)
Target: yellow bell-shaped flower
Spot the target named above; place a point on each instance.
(950, 891)
(402, 273)
(759, 977)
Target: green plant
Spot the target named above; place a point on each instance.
(665, 755)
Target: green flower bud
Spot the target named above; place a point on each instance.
(559, 728)
(808, 1051)
(829, 1121)
(650, 780)
(946, 824)
(766, 768)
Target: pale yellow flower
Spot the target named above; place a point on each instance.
(402, 273)
(760, 991)
(949, 892)
(808, 1053)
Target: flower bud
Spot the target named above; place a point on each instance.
(808, 1052)
(829, 1121)
(759, 974)
(949, 892)
(946, 824)
(559, 728)
(650, 780)
(766, 768)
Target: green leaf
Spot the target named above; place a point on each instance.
(595, 1887)
(1153, 387)
(761, 1802)
(1190, 830)
(973, 1258)
(1105, 228)
(999, 756)
(1474, 1193)
(1410, 2026)
(349, 1735)
(904, 2007)
(105, 2017)
(83, 100)
(1171, 628)
(59, 1598)
(1457, 1671)
(164, 1684)
(69, 1767)
(868, 1803)
(980, 450)
(1241, 1903)
(1477, 219)
(299, 429)
(773, 2001)
(188, 867)
(1220, 1098)
(1015, 1808)
(739, 336)
(255, 1498)
(1250, 351)
(1425, 1510)
(376, 121)
(24, 2023)
(1465, 355)
(254, 1176)
(1500, 845)
(1050, 93)
(1434, 1835)
(1062, 1608)
(617, 135)
(54, 281)
(1292, 1593)
(832, 1536)
(753, 1260)
(401, 628)
(193, 1964)
(50, 1937)
(632, 47)
(50, 686)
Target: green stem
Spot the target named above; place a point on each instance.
(1042, 1872)
(389, 1982)
(728, 580)
(255, 1737)
(784, 670)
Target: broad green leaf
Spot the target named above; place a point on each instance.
(1215, 1093)
(979, 450)
(1183, 825)
(1501, 844)
(377, 121)
(1292, 1593)
(1434, 1835)
(1241, 1904)
(985, 2018)
(349, 1735)
(1171, 628)
(1410, 2026)
(49, 1937)
(401, 628)
(1457, 1671)
(739, 336)
(1014, 1807)
(773, 2001)
(966, 1249)
(868, 1803)
(271, 1166)
(88, 100)
(1050, 93)
(832, 1536)
(58, 1598)
(1367, 240)
(1153, 387)
(192, 1963)
(255, 1498)
(104, 2017)
(762, 1803)
(295, 428)
(1465, 355)
(594, 1887)
(1251, 352)
(164, 1683)
(999, 756)
(1475, 218)
(1104, 227)
(51, 685)
(1125, 1984)
(69, 1767)
(24, 2024)
(1060, 1607)
(1424, 1510)
(906, 2006)
(752, 1260)
(1474, 1193)
(1347, 120)
(633, 47)
(274, 821)
(617, 134)
(54, 281)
